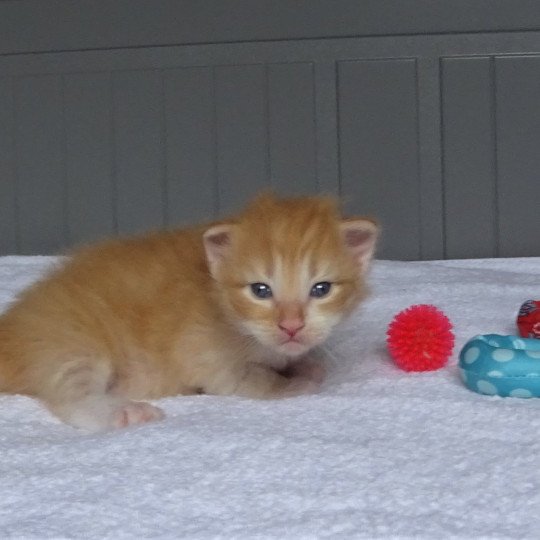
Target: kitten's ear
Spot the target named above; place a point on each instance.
(360, 237)
(217, 242)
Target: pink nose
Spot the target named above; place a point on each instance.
(291, 326)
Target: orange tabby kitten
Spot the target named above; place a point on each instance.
(231, 308)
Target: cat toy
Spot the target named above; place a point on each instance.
(420, 338)
(505, 366)
(497, 365)
(528, 320)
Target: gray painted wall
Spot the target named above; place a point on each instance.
(435, 134)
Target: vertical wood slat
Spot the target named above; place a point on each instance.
(469, 168)
(40, 161)
(242, 137)
(326, 118)
(379, 148)
(292, 137)
(8, 194)
(191, 144)
(429, 157)
(139, 144)
(518, 152)
(89, 165)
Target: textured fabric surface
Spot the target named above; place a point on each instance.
(379, 453)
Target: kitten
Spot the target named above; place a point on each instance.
(230, 308)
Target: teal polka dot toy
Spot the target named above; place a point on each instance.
(506, 366)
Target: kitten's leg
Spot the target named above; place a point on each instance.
(306, 368)
(102, 412)
(259, 381)
(79, 393)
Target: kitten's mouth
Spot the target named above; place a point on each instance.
(293, 339)
(293, 346)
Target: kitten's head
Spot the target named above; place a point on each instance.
(288, 270)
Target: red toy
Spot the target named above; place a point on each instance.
(528, 320)
(420, 338)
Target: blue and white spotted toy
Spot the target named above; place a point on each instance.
(506, 366)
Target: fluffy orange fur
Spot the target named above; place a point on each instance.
(229, 308)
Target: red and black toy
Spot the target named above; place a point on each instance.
(420, 338)
(528, 319)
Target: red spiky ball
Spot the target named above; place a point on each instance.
(420, 338)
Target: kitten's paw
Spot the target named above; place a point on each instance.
(96, 413)
(135, 412)
(298, 386)
(307, 369)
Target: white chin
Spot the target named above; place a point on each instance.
(293, 348)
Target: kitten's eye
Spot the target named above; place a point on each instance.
(261, 290)
(320, 289)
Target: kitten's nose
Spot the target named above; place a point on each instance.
(291, 326)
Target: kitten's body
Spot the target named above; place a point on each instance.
(173, 313)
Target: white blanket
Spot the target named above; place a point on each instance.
(379, 453)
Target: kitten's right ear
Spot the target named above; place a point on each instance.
(217, 243)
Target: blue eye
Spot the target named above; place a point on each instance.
(320, 289)
(261, 290)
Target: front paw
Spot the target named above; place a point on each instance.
(298, 386)
(305, 369)
(135, 412)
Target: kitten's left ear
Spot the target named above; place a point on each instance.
(217, 243)
(360, 237)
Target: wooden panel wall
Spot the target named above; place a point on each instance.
(491, 155)
(469, 157)
(379, 147)
(517, 82)
(435, 135)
